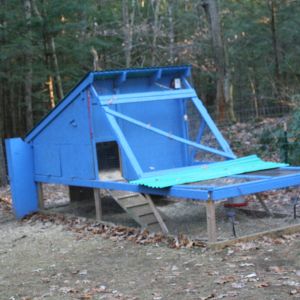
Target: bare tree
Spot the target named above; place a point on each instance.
(50, 56)
(128, 14)
(28, 64)
(273, 11)
(96, 64)
(3, 180)
(155, 27)
(171, 31)
(224, 99)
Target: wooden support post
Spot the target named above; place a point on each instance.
(98, 204)
(264, 205)
(211, 221)
(40, 195)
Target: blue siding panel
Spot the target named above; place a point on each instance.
(77, 161)
(47, 160)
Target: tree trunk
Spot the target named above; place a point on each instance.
(51, 60)
(254, 97)
(3, 179)
(171, 31)
(273, 8)
(96, 64)
(128, 23)
(58, 81)
(224, 99)
(155, 31)
(51, 92)
(28, 63)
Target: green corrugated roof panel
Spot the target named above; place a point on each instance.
(208, 171)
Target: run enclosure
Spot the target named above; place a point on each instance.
(119, 126)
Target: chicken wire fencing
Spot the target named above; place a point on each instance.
(188, 217)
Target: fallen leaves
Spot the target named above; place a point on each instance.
(262, 284)
(114, 232)
(276, 269)
(225, 279)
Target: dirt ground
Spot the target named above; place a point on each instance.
(42, 258)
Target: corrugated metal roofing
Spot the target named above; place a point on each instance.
(208, 171)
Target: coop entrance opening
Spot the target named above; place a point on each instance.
(109, 164)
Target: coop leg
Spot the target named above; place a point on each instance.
(40, 195)
(98, 204)
(264, 205)
(211, 221)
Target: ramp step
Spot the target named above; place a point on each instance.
(141, 209)
(154, 227)
(133, 202)
(148, 219)
(128, 196)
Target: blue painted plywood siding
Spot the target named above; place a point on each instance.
(152, 151)
(64, 148)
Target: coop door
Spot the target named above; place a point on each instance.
(109, 164)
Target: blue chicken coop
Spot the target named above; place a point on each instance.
(135, 133)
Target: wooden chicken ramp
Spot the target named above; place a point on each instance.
(141, 208)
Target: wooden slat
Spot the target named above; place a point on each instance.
(128, 196)
(140, 210)
(148, 219)
(154, 227)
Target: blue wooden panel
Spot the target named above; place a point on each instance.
(101, 127)
(155, 152)
(61, 106)
(47, 160)
(20, 169)
(65, 146)
(70, 126)
(77, 161)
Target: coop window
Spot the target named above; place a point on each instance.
(108, 160)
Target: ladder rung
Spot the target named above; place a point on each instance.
(146, 214)
(152, 223)
(127, 196)
(136, 205)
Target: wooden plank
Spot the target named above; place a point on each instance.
(160, 220)
(40, 195)
(140, 210)
(128, 196)
(154, 227)
(211, 221)
(149, 219)
(264, 205)
(98, 204)
(134, 203)
(274, 233)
